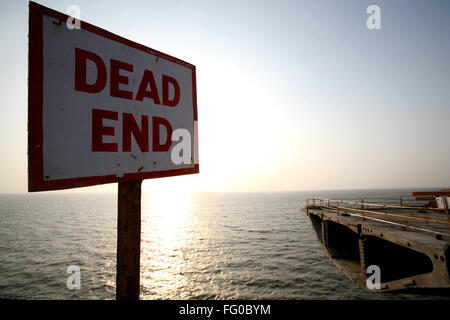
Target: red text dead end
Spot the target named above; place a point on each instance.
(147, 89)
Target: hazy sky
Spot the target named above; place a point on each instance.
(292, 95)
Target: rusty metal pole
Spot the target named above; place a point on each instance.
(128, 240)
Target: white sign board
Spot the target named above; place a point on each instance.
(103, 108)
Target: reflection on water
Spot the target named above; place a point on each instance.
(167, 217)
(194, 246)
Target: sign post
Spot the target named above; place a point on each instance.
(128, 240)
(104, 109)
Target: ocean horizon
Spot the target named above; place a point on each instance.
(194, 246)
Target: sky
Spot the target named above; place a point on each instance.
(292, 95)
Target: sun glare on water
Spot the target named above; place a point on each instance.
(166, 219)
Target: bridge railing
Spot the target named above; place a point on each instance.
(363, 208)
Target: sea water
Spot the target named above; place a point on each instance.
(193, 246)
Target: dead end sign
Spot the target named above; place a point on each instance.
(104, 109)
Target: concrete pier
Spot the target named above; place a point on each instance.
(410, 245)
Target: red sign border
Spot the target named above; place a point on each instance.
(36, 180)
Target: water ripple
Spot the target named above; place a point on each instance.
(204, 246)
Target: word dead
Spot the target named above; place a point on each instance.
(116, 79)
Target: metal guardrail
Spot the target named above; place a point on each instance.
(362, 205)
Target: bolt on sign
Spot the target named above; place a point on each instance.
(105, 109)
